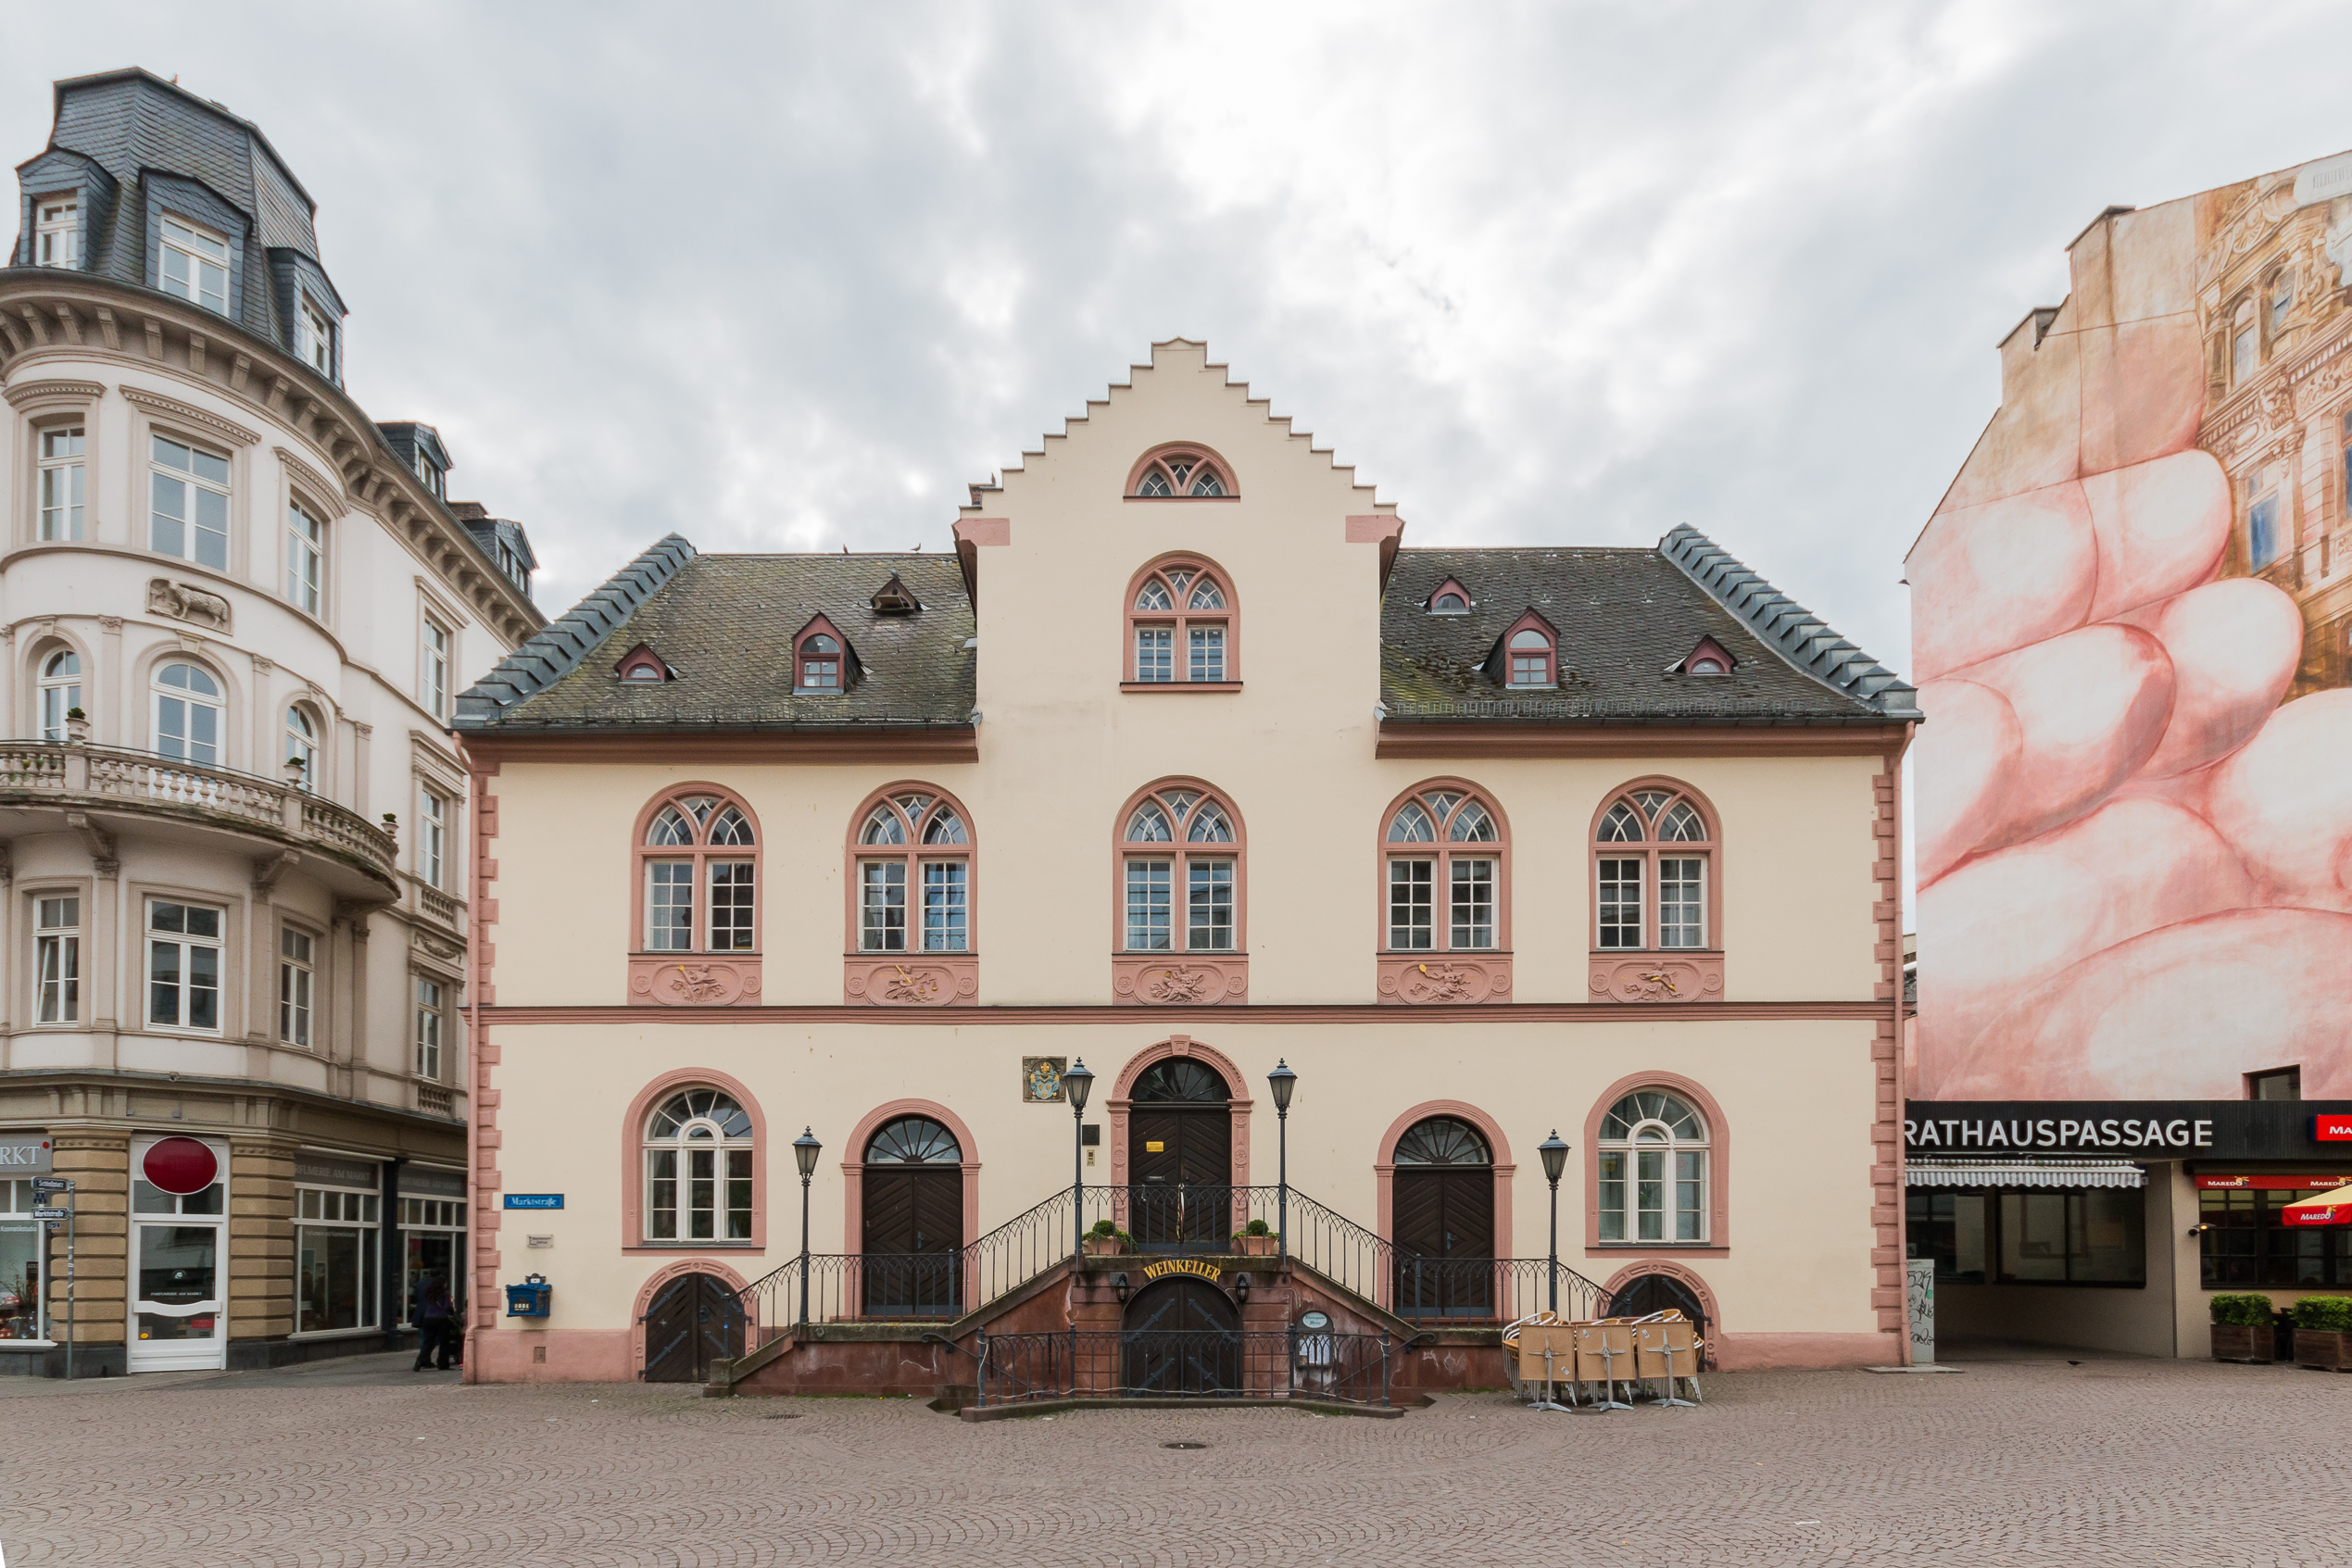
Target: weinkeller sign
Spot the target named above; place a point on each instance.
(2152, 1129)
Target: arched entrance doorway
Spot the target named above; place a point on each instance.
(1443, 1221)
(695, 1320)
(1181, 1335)
(1645, 1294)
(912, 1265)
(1180, 1157)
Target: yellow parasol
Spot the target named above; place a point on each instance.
(2320, 1208)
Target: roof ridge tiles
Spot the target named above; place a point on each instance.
(559, 647)
(1799, 635)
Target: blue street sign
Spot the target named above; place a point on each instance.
(535, 1200)
(51, 1184)
(50, 1213)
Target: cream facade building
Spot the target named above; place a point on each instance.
(1181, 767)
(235, 613)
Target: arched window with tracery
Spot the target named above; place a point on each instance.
(1443, 849)
(1180, 925)
(699, 1148)
(912, 874)
(697, 874)
(1181, 626)
(1182, 474)
(1654, 858)
(1651, 1170)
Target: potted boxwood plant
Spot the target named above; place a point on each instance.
(1107, 1240)
(2242, 1328)
(2323, 1332)
(1254, 1240)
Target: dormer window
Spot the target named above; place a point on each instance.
(56, 240)
(195, 265)
(1452, 599)
(641, 664)
(821, 662)
(894, 597)
(429, 475)
(1709, 657)
(1180, 473)
(317, 342)
(1527, 658)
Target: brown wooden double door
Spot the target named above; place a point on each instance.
(695, 1320)
(914, 1261)
(1443, 1232)
(1180, 1178)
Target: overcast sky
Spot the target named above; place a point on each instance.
(787, 278)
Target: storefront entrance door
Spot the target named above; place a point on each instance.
(179, 1262)
(1180, 1160)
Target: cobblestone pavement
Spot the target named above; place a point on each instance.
(2024, 1463)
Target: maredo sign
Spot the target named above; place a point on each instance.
(2177, 1129)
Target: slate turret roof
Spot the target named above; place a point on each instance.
(725, 625)
(1625, 619)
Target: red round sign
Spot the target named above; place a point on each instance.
(179, 1166)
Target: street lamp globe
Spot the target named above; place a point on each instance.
(1555, 1157)
(1077, 1084)
(1282, 1081)
(805, 1150)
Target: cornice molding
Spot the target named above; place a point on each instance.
(33, 391)
(1431, 742)
(305, 474)
(191, 413)
(1221, 1016)
(485, 750)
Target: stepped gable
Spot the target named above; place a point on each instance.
(1625, 620)
(725, 624)
(1371, 499)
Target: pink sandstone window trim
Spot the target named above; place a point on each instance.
(699, 853)
(633, 1125)
(1649, 850)
(1163, 460)
(1718, 1242)
(652, 1286)
(1179, 575)
(1383, 1170)
(913, 853)
(1121, 1100)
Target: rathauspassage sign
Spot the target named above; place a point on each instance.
(2157, 1129)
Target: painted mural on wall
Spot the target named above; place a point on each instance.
(2133, 630)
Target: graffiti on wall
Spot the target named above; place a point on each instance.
(2133, 629)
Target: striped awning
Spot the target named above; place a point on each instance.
(2022, 1174)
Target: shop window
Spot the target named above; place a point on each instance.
(697, 1169)
(335, 1252)
(21, 1313)
(432, 1246)
(2246, 1241)
(2031, 1235)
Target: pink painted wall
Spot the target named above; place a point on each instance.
(2132, 627)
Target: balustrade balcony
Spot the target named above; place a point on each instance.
(111, 787)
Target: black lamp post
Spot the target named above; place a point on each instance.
(805, 1150)
(1282, 1081)
(1555, 1160)
(1077, 1084)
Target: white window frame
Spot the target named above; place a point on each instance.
(317, 337)
(217, 704)
(1671, 1152)
(725, 1172)
(432, 837)
(193, 486)
(302, 741)
(298, 985)
(434, 648)
(61, 499)
(186, 945)
(58, 694)
(17, 1200)
(184, 246)
(428, 1000)
(56, 958)
(306, 558)
(57, 230)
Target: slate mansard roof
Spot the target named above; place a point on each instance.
(1625, 617)
(725, 625)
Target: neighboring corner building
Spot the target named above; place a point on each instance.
(236, 613)
(2133, 618)
(1179, 766)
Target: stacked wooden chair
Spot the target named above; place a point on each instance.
(1592, 1362)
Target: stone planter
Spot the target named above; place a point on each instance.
(2241, 1342)
(1254, 1246)
(2328, 1350)
(1103, 1246)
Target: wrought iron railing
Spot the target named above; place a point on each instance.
(1185, 1364)
(1163, 1220)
